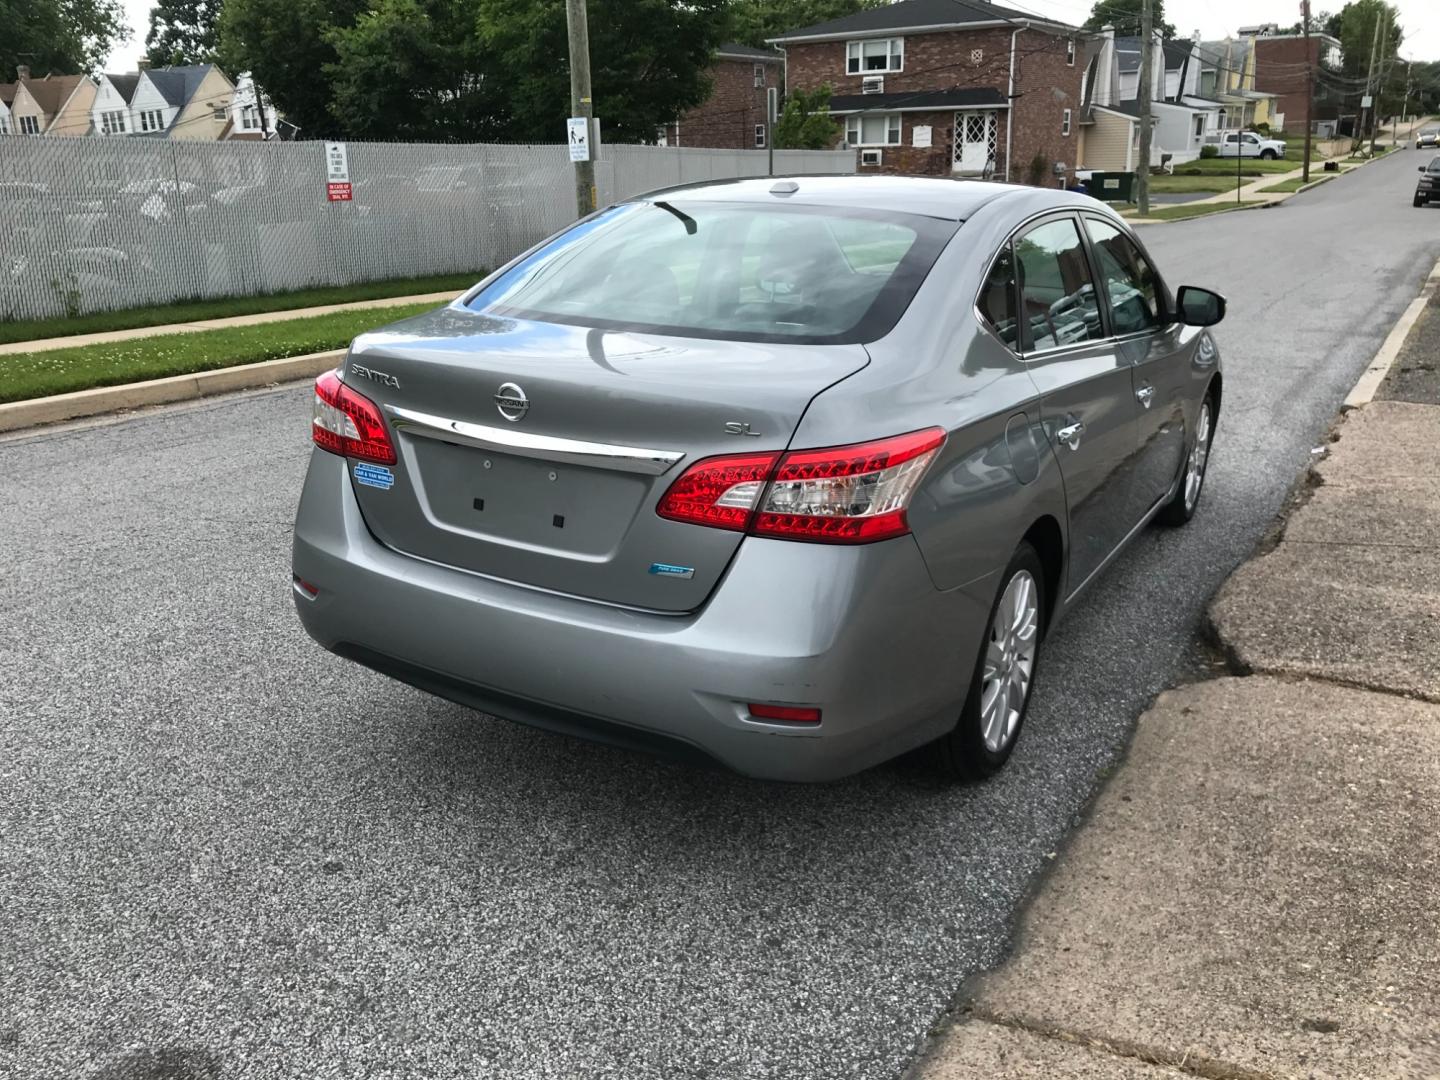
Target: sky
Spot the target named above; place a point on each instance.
(1213, 18)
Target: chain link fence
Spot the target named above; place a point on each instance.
(100, 224)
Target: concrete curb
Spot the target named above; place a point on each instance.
(1369, 382)
(107, 399)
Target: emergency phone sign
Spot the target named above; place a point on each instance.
(337, 172)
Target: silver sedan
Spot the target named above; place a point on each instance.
(791, 474)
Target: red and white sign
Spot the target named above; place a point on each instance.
(337, 172)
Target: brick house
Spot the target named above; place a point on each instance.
(1280, 61)
(948, 87)
(733, 116)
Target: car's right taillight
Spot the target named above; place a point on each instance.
(345, 423)
(837, 495)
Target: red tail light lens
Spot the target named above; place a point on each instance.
(721, 492)
(349, 425)
(837, 495)
(847, 494)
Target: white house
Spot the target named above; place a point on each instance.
(246, 121)
(7, 95)
(151, 111)
(111, 113)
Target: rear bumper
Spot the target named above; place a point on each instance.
(860, 632)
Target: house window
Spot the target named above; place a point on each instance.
(870, 157)
(883, 130)
(113, 122)
(760, 136)
(1070, 52)
(1065, 122)
(1200, 126)
(759, 74)
(4, 124)
(29, 125)
(249, 117)
(875, 55)
(152, 120)
(218, 114)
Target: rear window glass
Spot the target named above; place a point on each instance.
(726, 270)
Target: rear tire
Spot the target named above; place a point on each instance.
(1419, 201)
(1002, 677)
(1182, 507)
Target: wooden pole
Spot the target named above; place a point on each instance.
(580, 103)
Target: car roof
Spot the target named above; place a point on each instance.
(937, 197)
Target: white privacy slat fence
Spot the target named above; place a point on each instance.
(99, 224)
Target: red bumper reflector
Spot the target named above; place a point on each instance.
(313, 590)
(790, 714)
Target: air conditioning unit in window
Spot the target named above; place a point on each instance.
(872, 84)
(870, 157)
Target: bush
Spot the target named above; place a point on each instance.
(1261, 128)
(1038, 172)
(1208, 151)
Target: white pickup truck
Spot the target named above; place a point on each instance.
(1249, 144)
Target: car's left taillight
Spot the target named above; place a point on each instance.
(836, 495)
(345, 423)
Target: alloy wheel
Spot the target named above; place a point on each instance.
(1009, 661)
(1199, 453)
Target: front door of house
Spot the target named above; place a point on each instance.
(974, 142)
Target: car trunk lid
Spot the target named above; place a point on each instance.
(536, 452)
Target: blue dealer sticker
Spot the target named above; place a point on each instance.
(665, 569)
(376, 476)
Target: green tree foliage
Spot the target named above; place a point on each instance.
(805, 123)
(1124, 15)
(1355, 26)
(648, 61)
(415, 70)
(182, 32)
(64, 36)
(286, 47)
(755, 20)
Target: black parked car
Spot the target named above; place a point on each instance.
(1428, 189)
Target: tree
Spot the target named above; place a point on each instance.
(287, 48)
(806, 123)
(1355, 27)
(648, 61)
(66, 36)
(182, 32)
(1124, 15)
(755, 20)
(415, 69)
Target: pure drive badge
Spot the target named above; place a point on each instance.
(665, 569)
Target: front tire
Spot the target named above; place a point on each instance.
(1269, 155)
(1181, 508)
(1002, 677)
(1419, 201)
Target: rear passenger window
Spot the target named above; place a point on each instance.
(1058, 305)
(1130, 281)
(997, 300)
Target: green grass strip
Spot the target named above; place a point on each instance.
(1176, 213)
(1178, 183)
(1296, 183)
(199, 310)
(60, 371)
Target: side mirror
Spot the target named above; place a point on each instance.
(1199, 307)
(1422, 168)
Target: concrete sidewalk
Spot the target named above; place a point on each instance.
(1256, 893)
(48, 344)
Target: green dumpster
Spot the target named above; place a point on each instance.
(1112, 186)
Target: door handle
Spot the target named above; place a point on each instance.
(1070, 434)
(1145, 395)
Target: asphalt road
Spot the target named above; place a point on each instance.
(227, 854)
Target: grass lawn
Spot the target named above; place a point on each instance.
(1298, 182)
(59, 371)
(199, 310)
(1221, 166)
(1191, 183)
(1176, 213)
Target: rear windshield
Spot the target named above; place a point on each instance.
(735, 271)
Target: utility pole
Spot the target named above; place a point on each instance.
(1405, 107)
(580, 103)
(1369, 83)
(1374, 107)
(1309, 91)
(1147, 34)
